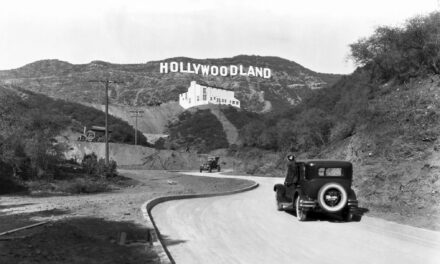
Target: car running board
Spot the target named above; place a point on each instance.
(287, 206)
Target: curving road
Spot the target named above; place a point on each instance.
(247, 228)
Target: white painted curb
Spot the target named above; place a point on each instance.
(154, 234)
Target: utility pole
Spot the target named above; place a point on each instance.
(136, 112)
(106, 82)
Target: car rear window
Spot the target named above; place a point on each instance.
(330, 172)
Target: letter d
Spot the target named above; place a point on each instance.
(233, 70)
(267, 73)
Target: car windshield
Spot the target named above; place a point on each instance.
(330, 172)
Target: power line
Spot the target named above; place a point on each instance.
(106, 82)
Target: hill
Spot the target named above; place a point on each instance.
(144, 85)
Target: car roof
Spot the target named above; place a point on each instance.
(322, 162)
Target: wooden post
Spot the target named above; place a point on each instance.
(106, 82)
(106, 124)
(136, 112)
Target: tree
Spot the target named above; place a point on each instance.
(401, 52)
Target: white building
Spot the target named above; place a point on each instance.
(202, 95)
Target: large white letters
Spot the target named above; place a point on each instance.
(231, 70)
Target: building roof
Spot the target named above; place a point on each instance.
(213, 86)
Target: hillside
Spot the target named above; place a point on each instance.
(395, 150)
(385, 118)
(32, 124)
(197, 130)
(153, 120)
(144, 85)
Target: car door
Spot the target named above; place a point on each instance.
(290, 186)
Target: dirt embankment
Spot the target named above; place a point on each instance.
(88, 228)
(153, 120)
(140, 157)
(123, 154)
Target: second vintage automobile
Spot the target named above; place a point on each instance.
(212, 164)
(323, 186)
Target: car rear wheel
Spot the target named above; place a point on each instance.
(332, 197)
(301, 214)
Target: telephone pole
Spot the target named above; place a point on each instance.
(106, 82)
(136, 112)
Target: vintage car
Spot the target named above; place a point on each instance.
(211, 164)
(94, 134)
(323, 186)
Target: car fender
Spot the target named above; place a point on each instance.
(351, 194)
(298, 192)
(280, 187)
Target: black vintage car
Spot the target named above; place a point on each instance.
(211, 164)
(323, 185)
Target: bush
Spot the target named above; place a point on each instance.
(95, 167)
(239, 118)
(341, 131)
(90, 163)
(307, 130)
(160, 143)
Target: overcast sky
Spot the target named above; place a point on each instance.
(314, 33)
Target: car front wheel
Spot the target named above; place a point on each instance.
(278, 198)
(279, 206)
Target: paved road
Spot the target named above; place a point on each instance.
(246, 228)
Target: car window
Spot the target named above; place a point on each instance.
(330, 172)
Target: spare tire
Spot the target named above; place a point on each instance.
(332, 197)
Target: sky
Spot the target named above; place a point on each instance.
(313, 33)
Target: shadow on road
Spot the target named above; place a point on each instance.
(16, 220)
(333, 218)
(171, 242)
(80, 240)
(9, 206)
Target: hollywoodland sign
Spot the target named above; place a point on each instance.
(230, 70)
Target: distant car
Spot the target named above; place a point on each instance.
(94, 134)
(211, 164)
(323, 186)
